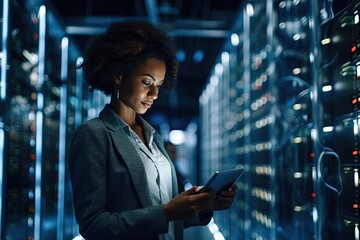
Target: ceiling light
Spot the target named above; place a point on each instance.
(198, 56)
(181, 56)
(235, 39)
(219, 69)
(225, 57)
(250, 10)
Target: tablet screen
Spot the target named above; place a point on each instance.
(222, 180)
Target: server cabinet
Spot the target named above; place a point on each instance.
(293, 152)
(243, 104)
(4, 14)
(20, 122)
(338, 80)
(40, 108)
(286, 109)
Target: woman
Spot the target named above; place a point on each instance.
(124, 183)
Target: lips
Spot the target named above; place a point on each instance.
(147, 104)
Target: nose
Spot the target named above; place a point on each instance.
(153, 92)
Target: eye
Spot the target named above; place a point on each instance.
(146, 83)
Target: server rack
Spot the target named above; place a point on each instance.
(4, 13)
(283, 104)
(43, 100)
(339, 82)
(19, 118)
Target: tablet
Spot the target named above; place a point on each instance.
(222, 180)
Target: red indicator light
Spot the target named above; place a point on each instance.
(313, 194)
(35, 20)
(31, 210)
(355, 205)
(354, 152)
(35, 36)
(354, 101)
(353, 49)
(312, 155)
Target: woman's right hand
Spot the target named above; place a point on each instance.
(187, 204)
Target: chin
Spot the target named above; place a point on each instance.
(142, 111)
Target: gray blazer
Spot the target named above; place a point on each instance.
(110, 189)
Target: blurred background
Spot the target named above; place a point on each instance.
(268, 85)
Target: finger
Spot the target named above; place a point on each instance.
(191, 191)
(204, 198)
(212, 194)
(228, 205)
(198, 188)
(227, 193)
(223, 206)
(223, 199)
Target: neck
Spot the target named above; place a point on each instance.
(126, 113)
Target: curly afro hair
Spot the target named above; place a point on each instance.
(121, 48)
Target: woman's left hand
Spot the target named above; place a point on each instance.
(224, 200)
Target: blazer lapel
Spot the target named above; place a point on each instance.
(129, 154)
(134, 164)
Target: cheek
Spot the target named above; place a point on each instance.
(136, 91)
(132, 92)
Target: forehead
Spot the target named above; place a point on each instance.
(153, 67)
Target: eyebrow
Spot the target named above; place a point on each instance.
(148, 75)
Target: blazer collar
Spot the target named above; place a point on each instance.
(111, 120)
(114, 123)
